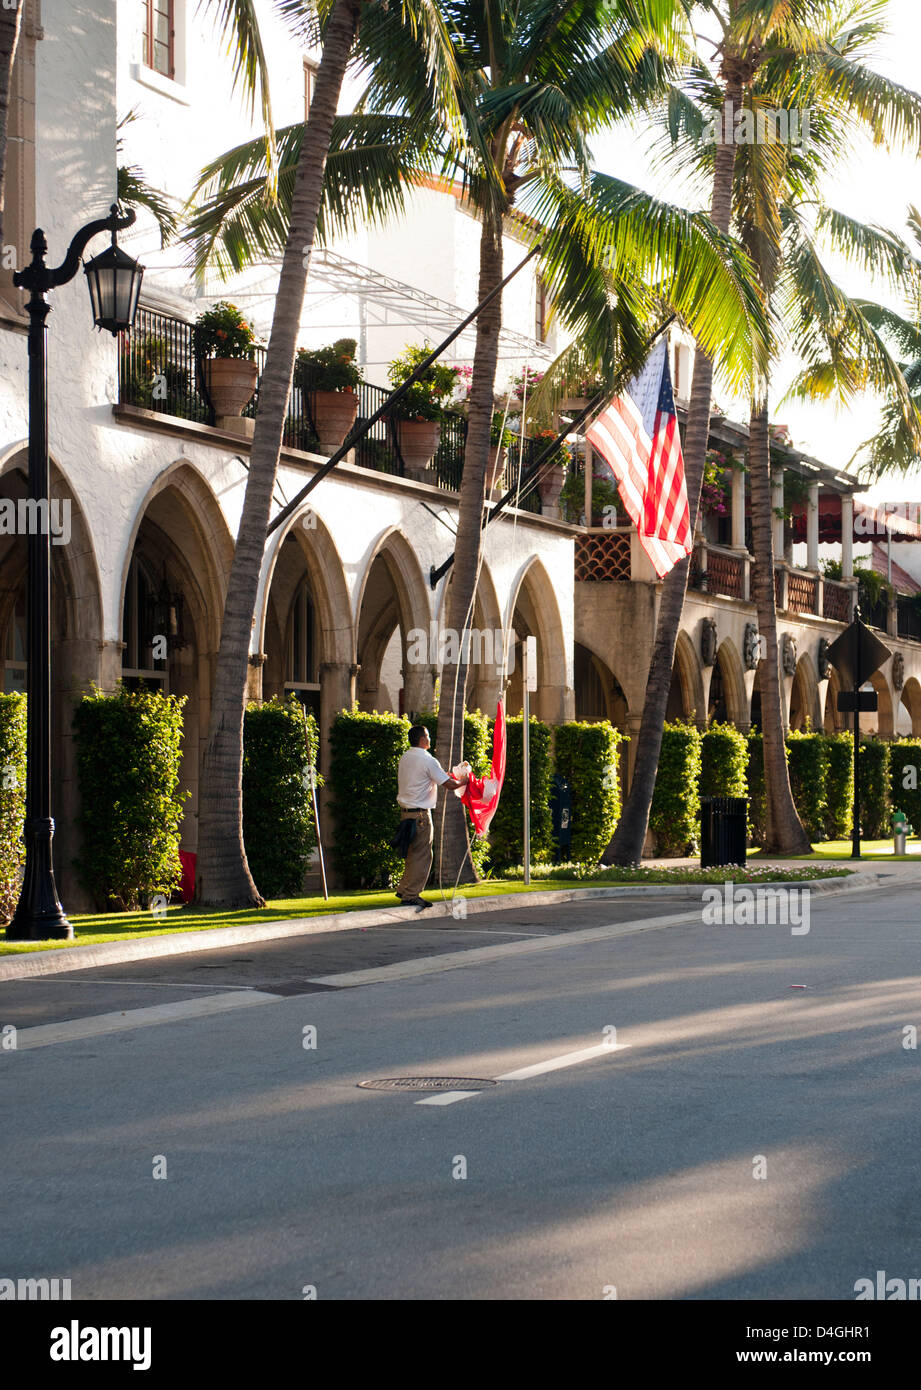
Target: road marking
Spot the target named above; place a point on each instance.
(567, 1059)
(77, 1028)
(448, 1097)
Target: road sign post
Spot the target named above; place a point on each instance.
(528, 683)
(856, 655)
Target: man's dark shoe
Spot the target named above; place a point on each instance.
(416, 902)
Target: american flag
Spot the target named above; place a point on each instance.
(481, 795)
(637, 436)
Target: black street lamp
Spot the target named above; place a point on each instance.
(114, 283)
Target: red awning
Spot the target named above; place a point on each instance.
(871, 522)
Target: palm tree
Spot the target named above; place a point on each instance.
(223, 873)
(10, 25)
(531, 86)
(779, 57)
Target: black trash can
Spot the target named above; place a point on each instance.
(561, 815)
(723, 830)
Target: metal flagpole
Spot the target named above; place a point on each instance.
(357, 434)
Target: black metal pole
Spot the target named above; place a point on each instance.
(359, 433)
(39, 914)
(855, 831)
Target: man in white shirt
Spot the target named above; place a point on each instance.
(419, 776)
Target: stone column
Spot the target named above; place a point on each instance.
(847, 537)
(738, 509)
(812, 528)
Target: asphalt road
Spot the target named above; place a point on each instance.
(745, 1139)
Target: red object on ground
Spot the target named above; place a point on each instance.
(187, 886)
(481, 795)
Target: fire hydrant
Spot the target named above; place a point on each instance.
(900, 832)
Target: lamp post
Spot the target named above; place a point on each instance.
(114, 283)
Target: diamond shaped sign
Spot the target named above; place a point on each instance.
(857, 654)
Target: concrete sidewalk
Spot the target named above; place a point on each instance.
(34, 964)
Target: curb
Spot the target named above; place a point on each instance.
(34, 964)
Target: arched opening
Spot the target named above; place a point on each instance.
(804, 696)
(172, 606)
(395, 674)
(910, 706)
(834, 721)
(726, 701)
(535, 613)
(76, 638)
(485, 645)
(685, 696)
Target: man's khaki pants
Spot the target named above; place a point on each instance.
(419, 858)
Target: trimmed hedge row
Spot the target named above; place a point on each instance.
(12, 799)
(674, 817)
(586, 755)
(506, 834)
(365, 751)
(129, 751)
(278, 823)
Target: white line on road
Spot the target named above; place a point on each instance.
(73, 1030)
(567, 1059)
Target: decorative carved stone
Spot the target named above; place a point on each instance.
(751, 646)
(788, 655)
(898, 671)
(709, 641)
(823, 664)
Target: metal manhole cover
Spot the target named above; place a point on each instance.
(427, 1083)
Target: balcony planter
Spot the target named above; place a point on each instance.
(417, 441)
(334, 414)
(224, 342)
(231, 384)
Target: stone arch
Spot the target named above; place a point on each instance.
(732, 681)
(532, 610)
(76, 641)
(686, 698)
(833, 721)
(805, 702)
(885, 717)
(308, 542)
(598, 692)
(180, 542)
(487, 646)
(391, 602)
(911, 699)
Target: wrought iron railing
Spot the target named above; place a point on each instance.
(909, 606)
(158, 370)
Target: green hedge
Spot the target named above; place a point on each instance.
(506, 834)
(675, 815)
(807, 757)
(278, 825)
(129, 750)
(757, 795)
(12, 799)
(365, 752)
(586, 755)
(875, 806)
(839, 786)
(904, 755)
(723, 761)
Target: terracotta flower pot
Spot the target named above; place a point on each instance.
(550, 487)
(497, 466)
(231, 382)
(418, 442)
(334, 415)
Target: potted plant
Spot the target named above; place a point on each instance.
(331, 378)
(552, 472)
(418, 416)
(225, 343)
(500, 437)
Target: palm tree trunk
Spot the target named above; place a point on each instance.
(223, 876)
(452, 857)
(630, 835)
(784, 829)
(10, 24)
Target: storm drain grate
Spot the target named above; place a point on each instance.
(427, 1083)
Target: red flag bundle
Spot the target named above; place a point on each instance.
(481, 794)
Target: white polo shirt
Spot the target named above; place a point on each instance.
(419, 776)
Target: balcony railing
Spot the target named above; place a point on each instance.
(836, 601)
(802, 592)
(909, 616)
(158, 370)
